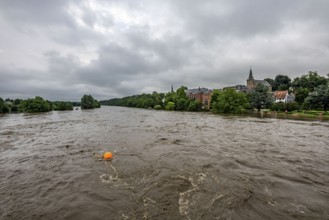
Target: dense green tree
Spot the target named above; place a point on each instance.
(38, 104)
(309, 81)
(3, 106)
(194, 106)
(281, 106)
(17, 101)
(139, 101)
(61, 106)
(260, 97)
(181, 92)
(88, 102)
(158, 97)
(230, 101)
(301, 94)
(170, 97)
(214, 97)
(182, 104)
(170, 106)
(282, 82)
(319, 98)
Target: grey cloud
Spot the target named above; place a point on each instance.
(193, 43)
(37, 12)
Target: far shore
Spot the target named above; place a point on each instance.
(298, 115)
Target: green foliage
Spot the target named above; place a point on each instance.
(38, 104)
(4, 108)
(76, 104)
(260, 98)
(292, 106)
(182, 104)
(194, 106)
(301, 94)
(181, 92)
(319, 99)
(282, 82)
(170, 106)
(309, 81)
(61, 106)
(138, 101)
(88, 102)
(230, 101)
(169, 101)
(214, 97)
(281, 106)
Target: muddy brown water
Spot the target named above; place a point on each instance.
(166, 165)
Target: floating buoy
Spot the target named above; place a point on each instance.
(107, 155)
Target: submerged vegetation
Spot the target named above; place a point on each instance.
(88, 102)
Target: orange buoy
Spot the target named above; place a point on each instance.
(107, 155)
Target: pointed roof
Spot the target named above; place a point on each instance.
(250, 75)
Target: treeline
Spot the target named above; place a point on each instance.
(39, 104)
(311, 91)
(176, 100)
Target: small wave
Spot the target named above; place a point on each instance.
(106, 178)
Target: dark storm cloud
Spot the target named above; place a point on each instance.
(63, 49)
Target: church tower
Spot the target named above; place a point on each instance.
(250, 80)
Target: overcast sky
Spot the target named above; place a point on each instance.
(62, 49)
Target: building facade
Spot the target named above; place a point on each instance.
(203, 95)
(252, 83)
(283, 96)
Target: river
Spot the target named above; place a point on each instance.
(166, 165)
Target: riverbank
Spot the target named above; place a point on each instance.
(299, 115)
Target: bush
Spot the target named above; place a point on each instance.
(292, 106)
(38, 104)
(61, 106)
(88, 102)
(4, 108)
(281, 106)
(194, 106)
(157, 107)
(170, 106)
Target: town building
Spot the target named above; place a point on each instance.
(201, 94)
(283, 96)
(238, 88)
(252, 83)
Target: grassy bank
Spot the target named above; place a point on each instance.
(298, 114)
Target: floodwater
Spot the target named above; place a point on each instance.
(166, 165)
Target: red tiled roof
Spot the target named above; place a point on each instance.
(280, 94)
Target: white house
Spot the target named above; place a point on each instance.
(283, 96)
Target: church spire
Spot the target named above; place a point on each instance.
(250, 75)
